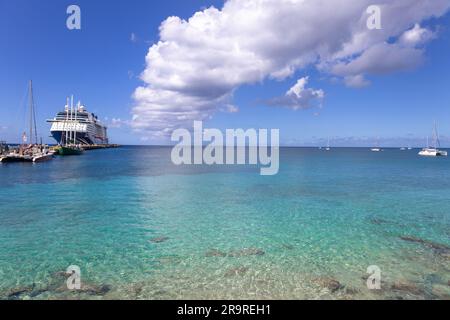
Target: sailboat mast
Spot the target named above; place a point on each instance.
(76, 113)
(436, 136)
(71, 117)
(66, 122)
(31, 111)
(32, 115)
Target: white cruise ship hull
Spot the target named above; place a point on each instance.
(83, 125)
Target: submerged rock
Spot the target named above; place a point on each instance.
(215, 253)
(61, 275)
(329, 283)
(239, 271)
(383, 284)
(137, 289)
(412, 239)
(25, 292)
(378, 221)
(441, 250)
(438, 246)
(395, 298)
(430, 244)
(56, 286)
(17, 293)
(95, 290)
(444, 255)
(246, 252)
(38, 291)
(440, 292)
(86, 288)
(159, 239)
(351, 291)
(408, 287)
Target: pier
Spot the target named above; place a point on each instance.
(38, 153)
(93, 146)
(88, 147)
(99, 146)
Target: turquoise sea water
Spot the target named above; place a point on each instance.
(226, 231)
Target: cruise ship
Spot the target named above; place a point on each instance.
(81, 125)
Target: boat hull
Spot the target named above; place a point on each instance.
(42, 158)
(15, 158)
(68, 151)
(433, 153)
(82, 138)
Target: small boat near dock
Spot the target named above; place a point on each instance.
(4, 149)
(32, 152)
(68, 150)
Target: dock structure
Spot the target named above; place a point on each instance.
(39, 153)
(99, 146)
(87, 147)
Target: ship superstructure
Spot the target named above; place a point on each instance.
(78, 126)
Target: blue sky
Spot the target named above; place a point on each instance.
(100, 65)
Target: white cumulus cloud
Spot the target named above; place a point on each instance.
(416, 36)
(299, 97)
(198, 63)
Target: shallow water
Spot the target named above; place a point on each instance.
(325, 215)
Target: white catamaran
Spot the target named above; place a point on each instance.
(433, 152)
(377, 148)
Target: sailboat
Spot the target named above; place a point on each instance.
(433, 152)
(376, 149)
(328, 145)
(68, 145)
(4, 150)
(32, 152)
